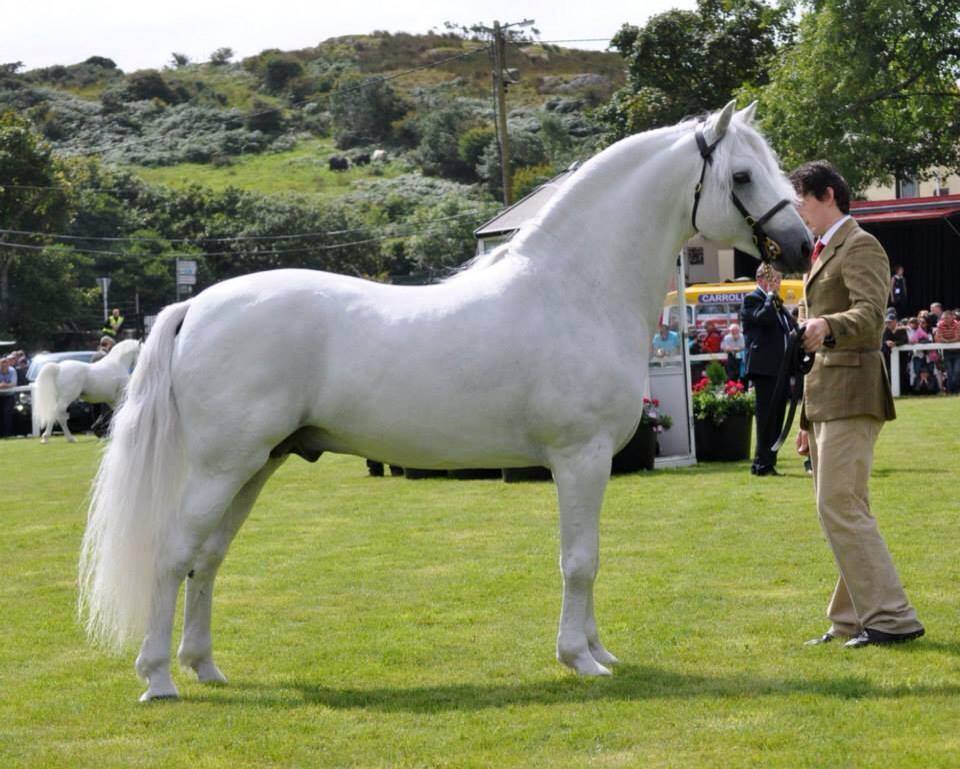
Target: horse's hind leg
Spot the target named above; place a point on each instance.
(581, 481)
(62, 418)
(205, 499)
(196, 647)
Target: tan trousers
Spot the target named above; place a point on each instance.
(868, 593)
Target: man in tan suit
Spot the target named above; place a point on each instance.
(846, 401)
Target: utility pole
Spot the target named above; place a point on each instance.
(499, 65)
(500, 99)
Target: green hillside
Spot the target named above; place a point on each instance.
(269, 122)
(228, 164)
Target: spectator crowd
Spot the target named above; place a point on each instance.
(925, 372)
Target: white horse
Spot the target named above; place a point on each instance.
(535, 357)
(60, 384)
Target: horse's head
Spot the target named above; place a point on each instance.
(743, 198)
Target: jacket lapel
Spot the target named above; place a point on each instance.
(831, 248)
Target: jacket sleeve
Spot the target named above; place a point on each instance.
(865, 271)
(762, 313)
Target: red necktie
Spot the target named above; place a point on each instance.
(817, 249)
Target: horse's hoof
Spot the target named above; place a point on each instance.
(160, 693)
(601, 655)
(208, 673)
(584, 664)
(43, 440)
(593, 669)
(71, 439)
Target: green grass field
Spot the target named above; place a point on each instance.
(303, 169)
(383, 622)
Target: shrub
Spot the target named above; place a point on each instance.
(221, 56)
(527, 178)
(439, 150)
(149, 84)
(363, 110)
(473, 142)
(280, 70)
(264, 117)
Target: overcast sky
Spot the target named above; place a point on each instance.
(139, 35)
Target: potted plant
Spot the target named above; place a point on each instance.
(722, 416)
(641, 450)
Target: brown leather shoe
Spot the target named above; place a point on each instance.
(870, 637)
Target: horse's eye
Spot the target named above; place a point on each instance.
(742, 177)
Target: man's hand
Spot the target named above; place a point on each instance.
(803, 443)
(814, 332)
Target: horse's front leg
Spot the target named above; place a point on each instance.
(196, 647)
(581, 479)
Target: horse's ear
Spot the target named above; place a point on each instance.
(719, 123)
(748, 114)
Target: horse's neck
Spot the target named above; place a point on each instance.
(622, 222)
(122, 358)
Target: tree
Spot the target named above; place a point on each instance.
(45, 292)
(439, 150)
(221, 56)
(278, 71)
(880, 103)
(33, 197)
(682, 63)
(179, 60)
(363, 109)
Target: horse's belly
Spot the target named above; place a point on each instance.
(419, 412)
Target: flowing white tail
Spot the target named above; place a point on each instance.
(136, 496)
(45, 394)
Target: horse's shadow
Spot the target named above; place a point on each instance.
(630, 683)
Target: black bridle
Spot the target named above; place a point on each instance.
(796, 361)
(768, 247)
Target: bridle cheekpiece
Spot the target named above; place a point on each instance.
(769, 248)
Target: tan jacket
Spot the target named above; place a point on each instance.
(848, 287)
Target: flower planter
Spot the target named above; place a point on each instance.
(727, 442)
(638, 454)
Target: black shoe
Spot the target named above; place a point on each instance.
(753, 469)
(870, 637)
(808, 466)
(771, 470)
(824, 639)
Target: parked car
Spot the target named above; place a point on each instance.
(80, 414)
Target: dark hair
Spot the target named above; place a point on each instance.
(814, 177)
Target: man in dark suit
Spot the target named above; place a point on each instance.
(766, 326)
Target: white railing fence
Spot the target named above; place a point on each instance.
(896, 351)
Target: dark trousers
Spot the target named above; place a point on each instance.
(769, 420)
(6, 415)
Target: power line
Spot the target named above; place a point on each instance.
(429, 226)
(236, 238)
(551, 42)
